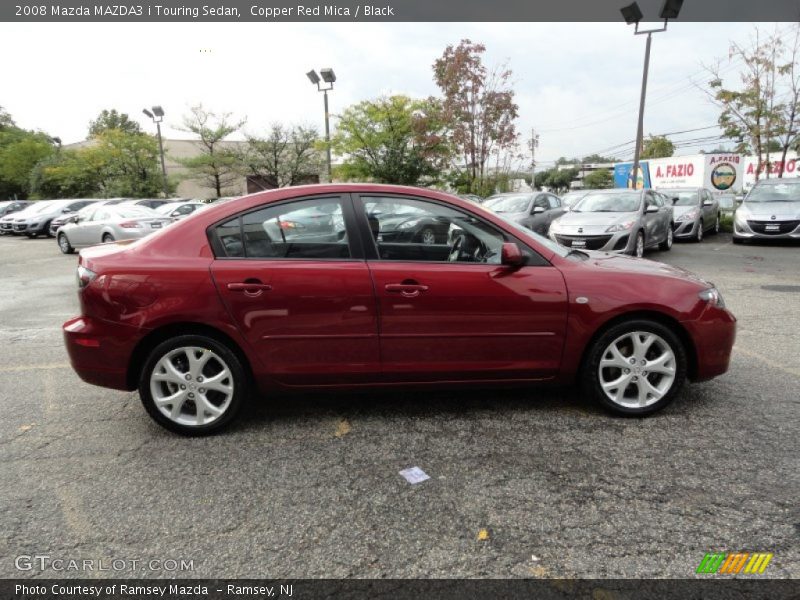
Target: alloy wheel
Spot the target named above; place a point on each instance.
(192, 386)
(699, 236)
(639, 245)
(637, 369)
(428, 237)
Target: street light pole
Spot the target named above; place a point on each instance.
(640, 127)
(633, 14)
(329, 77)
(158, 115)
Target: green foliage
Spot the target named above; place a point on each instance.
(20, 150)
(555, 179)
(657, 146)
(216, 167)
(598, 180)
(726, 223)
(287, 156)
(116, 163)
(392, 140)
(111, 119)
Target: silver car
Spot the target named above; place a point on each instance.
(109, 224)
(618, 220)
(770, 211)
(179, 210)
(696, 212)
(532, 210)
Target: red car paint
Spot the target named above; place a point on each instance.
(346, 323)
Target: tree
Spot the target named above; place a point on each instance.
(20, 150)
(115, 163)
(6, 122)
(751, 114)
(595, 158)
(657, 146)
(790, 108)
(111, 119)
(598, 180)
(287, 156)
(392, 140)
(216, 167)
(478, 107)
(555, 178)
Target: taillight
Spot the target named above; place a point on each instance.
(131, 225)
(85, 276)
(291, 225)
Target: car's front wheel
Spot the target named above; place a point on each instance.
(698, 237)
(635, 368)
(192, 385)
(64, 245)
(427, 236)
(638, 246)
(667, 243)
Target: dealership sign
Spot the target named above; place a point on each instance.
(715, 172)
(777, 167)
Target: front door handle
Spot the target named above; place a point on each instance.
(408, 290)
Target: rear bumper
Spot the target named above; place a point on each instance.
(713, 335)
(100, 351)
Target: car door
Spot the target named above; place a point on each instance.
(301, 296)
(709, 208)
(452, 311)
(654, 230)
(88, 230)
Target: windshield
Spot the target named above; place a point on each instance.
(622, 201)
(773, 191)
(685, 197)
(41, 207)
(133, 211)
(572, 198)
(518, 203)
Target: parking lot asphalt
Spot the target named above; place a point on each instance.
(523, 483)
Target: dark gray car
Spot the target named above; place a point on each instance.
(532, 210)
(618, 220)
(696, 212)
(770, 211)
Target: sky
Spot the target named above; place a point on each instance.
(577, 84)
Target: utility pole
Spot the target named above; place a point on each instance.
(534, 143)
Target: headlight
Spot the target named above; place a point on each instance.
(621, 227)
(741, 217)
(408, 224)
(689, 216)
(712, 296)
(555, 227)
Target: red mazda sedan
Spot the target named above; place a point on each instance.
(346, 286)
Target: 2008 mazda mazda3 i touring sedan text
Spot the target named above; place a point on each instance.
(249, 295)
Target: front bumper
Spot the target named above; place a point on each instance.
(606, 242)
(713, 335)
(100, 351)
(685, 229)
(766, 230)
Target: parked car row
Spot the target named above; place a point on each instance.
(83, 222)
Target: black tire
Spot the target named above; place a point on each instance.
(32, 236)
(46, 229)
(64, 245)
(107, 237)
(738, 240)
(231, 361)
(698, 237)
(590, 373)
(666, 245)
(633, 252)
(427, 233)
(715, 229)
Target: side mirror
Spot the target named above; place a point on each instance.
(537, 210)
(511, 255)
(708, 203)
(651, 209)
(675, 200)
(66, 210)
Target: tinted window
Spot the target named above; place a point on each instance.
(541, 201)
(418, 230)
(308, 229)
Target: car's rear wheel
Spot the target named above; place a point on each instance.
(635, 368)
(192, 385)
(667, 243)
(107, 237)
(64, 245)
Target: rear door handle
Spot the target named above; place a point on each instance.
(250, 288)
(409, 290)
